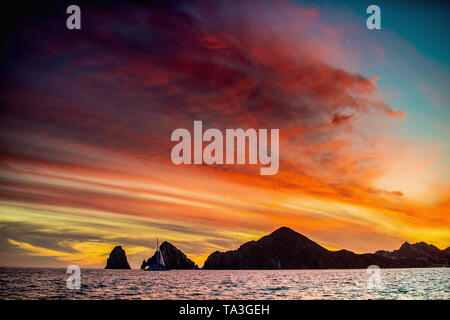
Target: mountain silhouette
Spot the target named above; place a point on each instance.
(419, 251)
(286, 249)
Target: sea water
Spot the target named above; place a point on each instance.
(51, 283)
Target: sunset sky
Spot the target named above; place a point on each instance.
(86, 117)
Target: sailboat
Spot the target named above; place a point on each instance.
(160, 264)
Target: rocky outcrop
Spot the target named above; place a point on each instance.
(117, 259)
(173, 258)
(286, 249)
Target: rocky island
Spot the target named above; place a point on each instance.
(117, 259)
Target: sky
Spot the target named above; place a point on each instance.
(87, 116)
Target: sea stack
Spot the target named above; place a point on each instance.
(117, 259)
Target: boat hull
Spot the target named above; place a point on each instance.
(156, 268)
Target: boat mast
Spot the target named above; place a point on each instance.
(157, 251)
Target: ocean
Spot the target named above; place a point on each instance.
(51, 283)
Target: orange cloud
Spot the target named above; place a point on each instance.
(90, 132)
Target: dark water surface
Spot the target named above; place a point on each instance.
(50, 283)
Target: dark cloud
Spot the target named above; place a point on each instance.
(126, 81)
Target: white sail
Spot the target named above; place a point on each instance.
(161, 259)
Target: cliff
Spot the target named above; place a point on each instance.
(286, 249)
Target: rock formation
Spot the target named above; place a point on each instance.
(173, 258)
(287, 249)
(117, 259)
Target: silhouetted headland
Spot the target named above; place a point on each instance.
(173, 258)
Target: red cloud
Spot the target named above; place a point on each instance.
(121, 90)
